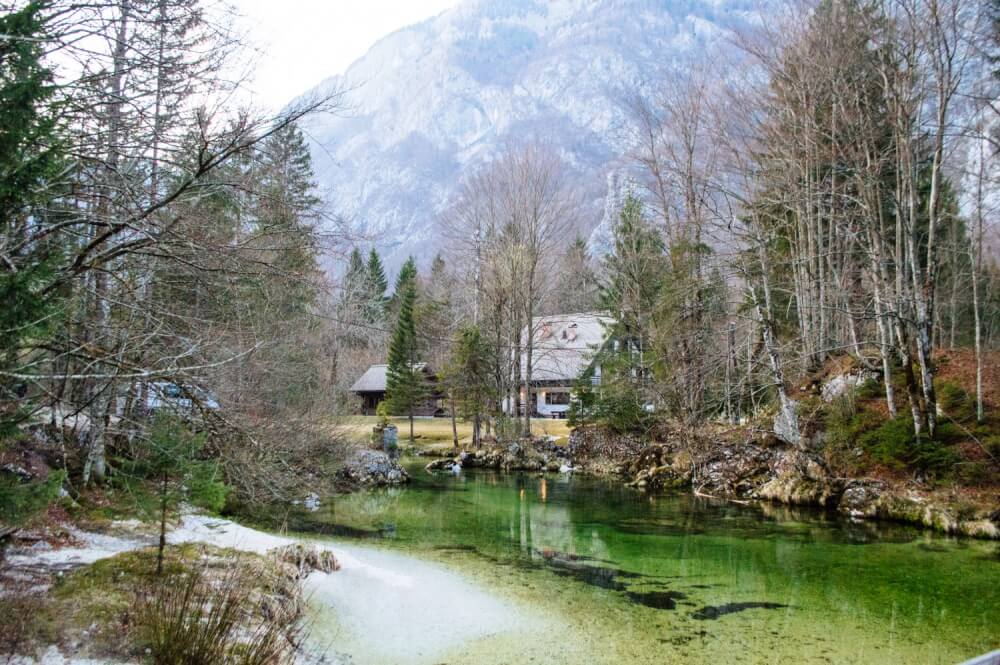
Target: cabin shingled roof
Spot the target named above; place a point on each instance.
(375, 377)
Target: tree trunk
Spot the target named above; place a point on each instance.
(454, 424)
(787, 422)
(163, 525)
(528, 349)
(977, 265)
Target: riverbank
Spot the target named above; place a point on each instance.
(645, 577)
(726, 465)
(74, 594)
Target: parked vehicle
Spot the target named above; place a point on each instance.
(173, 397)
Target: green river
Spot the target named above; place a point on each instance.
(604, 574)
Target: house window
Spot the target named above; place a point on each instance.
(557, 399)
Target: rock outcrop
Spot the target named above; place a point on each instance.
(769, 470)
(307, 558)
(371, 468)
(520, 455)
(798, 478)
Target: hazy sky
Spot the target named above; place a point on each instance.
(304, 41)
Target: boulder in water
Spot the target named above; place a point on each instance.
(372, 468)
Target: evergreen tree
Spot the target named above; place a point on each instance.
(634, 273)
(284, 299)
(407, 275)
(173, 461)
(577, 289)
(404, 380)
(31, 157)
(376, 284)
(468, 378)
(355, 275)
(434, 313)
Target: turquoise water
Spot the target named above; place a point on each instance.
(637, 578)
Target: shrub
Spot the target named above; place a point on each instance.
(956, 402)
(894, 444)
(617, 404)
(991, 443)
(870, 388)
(889, 443)
(845, 423)
(20, 501)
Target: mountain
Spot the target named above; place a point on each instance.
(431, 101)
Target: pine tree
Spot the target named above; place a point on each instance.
(31, 156)
(577, 289)
(434, 314)
(407, 275)
(283, 297)
(173, 461)
(468, 377)
(355, 268)
(404, 380)
(634, 272)
(376, 284)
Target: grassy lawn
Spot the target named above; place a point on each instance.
(436, 432)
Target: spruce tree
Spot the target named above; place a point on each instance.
(404, 380)
(375, 286)
(354, 286)
(435, 313)
(355, 268)
(468, 378)
(407, 275)
(31, 157)
(633, 272)
(577, 289)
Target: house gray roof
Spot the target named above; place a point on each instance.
(564, 344)
(374, 379)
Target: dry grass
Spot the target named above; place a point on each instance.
(436, 432)
(206, 617)
(212, 606)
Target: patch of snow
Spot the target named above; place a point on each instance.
(843, 384)
(379, 607)
(95, 546)
(53, 656)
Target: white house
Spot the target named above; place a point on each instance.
(564, 348)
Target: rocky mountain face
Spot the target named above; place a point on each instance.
(436, 99)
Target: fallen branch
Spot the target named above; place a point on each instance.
(701, 494)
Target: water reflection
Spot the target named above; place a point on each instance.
(785, 573)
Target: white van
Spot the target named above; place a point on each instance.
(173, 397)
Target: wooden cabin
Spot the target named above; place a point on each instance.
(371, 388)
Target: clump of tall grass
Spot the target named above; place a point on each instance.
(194, 618)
